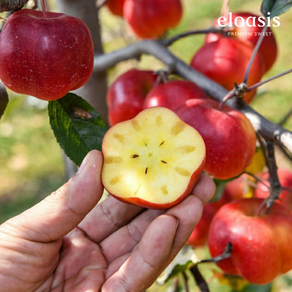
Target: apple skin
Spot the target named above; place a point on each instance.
(285, 178)
(45, 57)
(152, 18)
(173, 93)
(261, 243)
(268, 48)
(127, 93)
(116, 7)
(229, 136)
(225, 62)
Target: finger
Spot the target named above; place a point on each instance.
(145, 261)
(60, 212)
(107, 217)
(204, 189)
(126, 238)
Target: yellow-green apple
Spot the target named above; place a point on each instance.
(173, 93)
(248, 27)
(127, 93)
(152, 160)
(229, 136)
(261, 239)
(285, 178)
(152, 18)
(225, 62)
(45, 54)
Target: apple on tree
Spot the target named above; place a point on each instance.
(261, 239)
(285, 179)
(152, 160)
(228, 134)
(225, 62)
(127, 93)
(248, 30)
(45, 54)
(116, 7)
(173, 93)
(152, 18)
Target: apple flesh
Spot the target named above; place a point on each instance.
(152, 160)
(229, 136)
(152, 18)
(250, 34)
(225, 62)
(173, 93)
(116, 7)
(261, 241)
(127, 93)
(45, 56)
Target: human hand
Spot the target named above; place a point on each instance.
(68, 242)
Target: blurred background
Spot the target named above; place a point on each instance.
(31, 161)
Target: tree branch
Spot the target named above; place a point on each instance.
(9, 5)
(157, 49)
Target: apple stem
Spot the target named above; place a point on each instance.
(43, 6)
(268, 80)
(256, 48)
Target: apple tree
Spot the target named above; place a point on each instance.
(247, 227)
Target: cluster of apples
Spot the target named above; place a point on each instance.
(224, 58)
(253, 232)
(144, 16)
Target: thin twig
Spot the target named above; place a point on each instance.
(268, 80)
(186, 285)
(255, 51)
(285, 118)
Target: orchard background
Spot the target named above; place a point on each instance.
(32, 164)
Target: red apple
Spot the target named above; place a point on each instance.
(229, 136)
(225, 62)
(116, 7)
(152, 160)
(249, 30)
(200, 233)
(173, 93)
(239, 188)
(45, 55)
(152, 18)
(126, 95)
(285, 178)
(261, 241)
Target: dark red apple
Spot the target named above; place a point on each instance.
(249, 31)
(173, 93)
(229, 136)
(261, 241)
(225, 62)
(127, 93)
(152, 18)
(45, 55)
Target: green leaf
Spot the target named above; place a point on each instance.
(275, 7)
(181, 263)
(78, 128)
(3, 99)
(257, 288)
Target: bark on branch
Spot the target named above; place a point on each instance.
(11, 5)
(156, 48)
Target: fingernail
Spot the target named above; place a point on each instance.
(84, 163)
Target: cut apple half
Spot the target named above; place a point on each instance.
(153, 160)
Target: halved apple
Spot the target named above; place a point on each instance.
(152, 160)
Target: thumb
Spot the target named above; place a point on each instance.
(64, 209)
